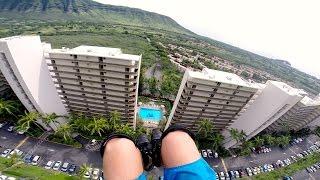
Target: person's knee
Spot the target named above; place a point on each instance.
(117, 144)
(178, 148)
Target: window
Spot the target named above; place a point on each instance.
(103, 91)
(126, 100)
(65, 96)
(82, 89)
(215, 89)
(219, 83)
(101, 73)
(61, 86)
(102, 80)
(227, 102)
(126, 83)
(55, 68)
(191, 92)
(193, 86)
(127, 69)
(75, 56)
(212, 95)
(53, 61)
(126, 89)
(80, 83)
(76, 63)
(209, 101)
(104, 97)
(63, 91)
(78, 70)
(101, 66)
(100, 59)
(83, 94)
(103, 86)
(127, 76)
(188, 98)
(206, 105)
(203, 110)
(79, 77)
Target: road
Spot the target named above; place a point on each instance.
(50, 151)
(234, 163)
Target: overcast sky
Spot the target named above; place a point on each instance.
(284, 29)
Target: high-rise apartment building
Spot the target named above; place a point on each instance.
(274, 100)
(210, 94)
(24, 68)
(96, 80)
(299, 116)
(4, 86)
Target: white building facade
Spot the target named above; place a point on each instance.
(24, 68)
(214, 95)
(275, 99)
(96, 80)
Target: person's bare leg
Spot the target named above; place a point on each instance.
(177, 149)
(122, 160)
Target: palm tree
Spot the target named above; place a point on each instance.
(283, 141)
(83, 169)
(98, 125)
(246, 148)
(242, 136)
(258, 141)
(115, 118)
(65, 131)
(234, 134)
(205, 127)
(127, 130)
(50, 118)
(217, 140)
(7, 107)
(27, 119)
(270, 140)
(80, 122)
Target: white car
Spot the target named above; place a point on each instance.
(209, 153)
(249, 171)
(15, 151)
(49, 165)
(57, 165)
(10, 128)
(222, 176)
(204, 153)
(6, 152)
(95, 173)
(3, 124)
(35, 160)
(216, 155)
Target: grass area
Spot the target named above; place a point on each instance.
(289, 170)
(32, 172)
(59, 139)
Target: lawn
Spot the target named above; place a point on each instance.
(32, 172)
(289, 170)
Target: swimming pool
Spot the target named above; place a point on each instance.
(149, 114)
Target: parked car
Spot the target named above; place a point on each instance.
(10, 128)
(227, 176)
(237, 174)
(204, 153)
(300, 155)
(57, 165)
(293, 158)
(231, 174)
(216, 155)
(15, 151)
(72, 168)
(309, 170)
(3, 124)
(242, 173)
(28, 158)
(64, 167)
(95, 173)
(209, 153)
(249, 171)
(222, 176)
(35, 160)
(6, 152)
(254, 171)
(287, 178)
(49, 165)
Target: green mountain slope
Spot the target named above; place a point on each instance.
(85, 10)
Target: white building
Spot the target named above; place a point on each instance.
(275, 99)
(215, 95)
(24, 68)
(96, 80)
(299, 116)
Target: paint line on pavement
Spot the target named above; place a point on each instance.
(311, 176)
(292, 151)
(224, 165)
(22, 142)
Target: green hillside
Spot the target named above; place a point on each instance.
(74, 22)
(84, 10)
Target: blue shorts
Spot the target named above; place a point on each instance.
(198, 170)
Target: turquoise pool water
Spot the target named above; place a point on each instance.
(148, 114)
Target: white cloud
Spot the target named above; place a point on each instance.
(286, 29)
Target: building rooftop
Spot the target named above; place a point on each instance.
(97, 51)
(288, 89)
(223, 77)
(310, 102)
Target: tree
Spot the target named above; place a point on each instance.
(258, 141)
(64, 131)
(217, 140)
(270, 140)
(242, 136)
(246, 148)
(27, 119)
(152, 82)
(98, 125)
(84, 168)
(205, 127)
(115, 118)
(7, 107)
(235, 134)
(283, 141)
(127, 130)
(50, 118)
